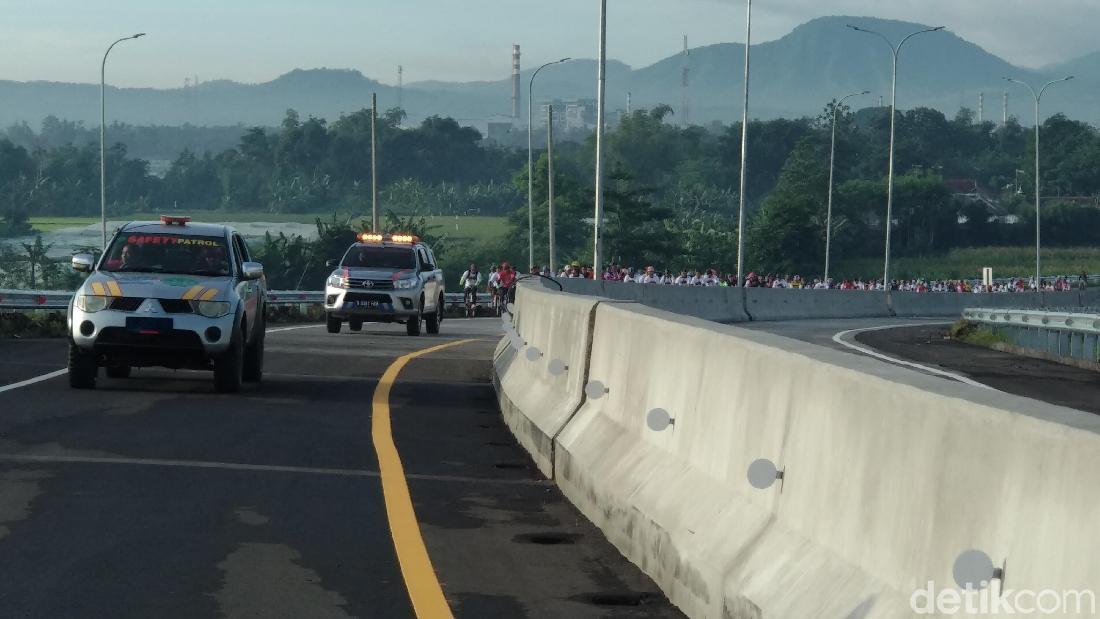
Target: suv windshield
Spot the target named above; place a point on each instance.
(168, 253)
(373, 257)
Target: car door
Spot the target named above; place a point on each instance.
(248, 290)
(430, 279)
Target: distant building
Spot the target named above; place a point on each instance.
(570, 115)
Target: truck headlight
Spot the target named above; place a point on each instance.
(212, 309)
(90, 303)
(335, 281)
(406, 284)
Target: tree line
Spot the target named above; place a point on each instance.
(672, 191)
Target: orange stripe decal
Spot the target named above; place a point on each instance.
(114, 289)
(97, 289)
(209, 294)
(193, 292)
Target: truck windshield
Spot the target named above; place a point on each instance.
(168, 253)
(374, 257)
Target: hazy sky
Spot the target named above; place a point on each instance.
(257, 40)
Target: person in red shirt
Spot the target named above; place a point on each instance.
(507, 282)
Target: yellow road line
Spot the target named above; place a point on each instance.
(424, 589)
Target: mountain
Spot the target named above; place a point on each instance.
(793, 76)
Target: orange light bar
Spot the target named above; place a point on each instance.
(367, 237)
(169, 220)
(404, 238)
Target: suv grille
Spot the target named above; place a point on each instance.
(126, 304)
(176, 306)
(374, 284)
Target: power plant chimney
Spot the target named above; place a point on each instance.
(515, 82)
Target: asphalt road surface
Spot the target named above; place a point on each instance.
(345, 486)
(1039, 379)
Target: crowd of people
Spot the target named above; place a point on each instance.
(712, 277)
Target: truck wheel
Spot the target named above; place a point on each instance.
(355, 325)
(253, 371)
(229, 367)
(435, 318)
(82, 368)
(118, 371)
(412, 326)
(333, 324)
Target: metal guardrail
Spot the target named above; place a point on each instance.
(59, 300)
(1070, 336)
(1078, 320)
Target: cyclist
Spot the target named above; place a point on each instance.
(494, 284)
(471, 279)
(507, 281)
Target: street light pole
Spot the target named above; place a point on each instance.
(1038, 97)
(531, 161)
(832, 160)
(374, 162)
(895, 50)
(601, 93)
(550, 184)
(744, 151)
(103, 136)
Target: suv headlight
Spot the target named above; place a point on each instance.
(90, 303)
(406, 284)
(212, 309)
(335, 281)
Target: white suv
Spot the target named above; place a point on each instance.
(385, 278)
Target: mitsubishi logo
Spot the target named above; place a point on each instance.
(368, 284)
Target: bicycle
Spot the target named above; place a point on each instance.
(470, 298)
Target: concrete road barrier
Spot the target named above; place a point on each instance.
(536, 403)
(784, 304)
(888, 475)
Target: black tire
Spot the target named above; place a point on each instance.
(118, 371)
(333, 324)
(253, 371)
(355, 325)
(82, 368)
(433, 320)
(229, 367)
(412, 326)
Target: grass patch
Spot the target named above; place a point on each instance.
(968, 263)
(976, 335)
(32, 324)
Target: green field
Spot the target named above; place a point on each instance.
(474, 229)
(968, 263)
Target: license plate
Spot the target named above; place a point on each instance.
(149, 326)
(373, 304)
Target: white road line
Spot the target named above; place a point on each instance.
(839, 339)
(31, 381)
(57, 373)
(283, 329)
(261, 468)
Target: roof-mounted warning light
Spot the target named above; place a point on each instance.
(169, 220)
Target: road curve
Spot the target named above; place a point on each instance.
(155, 496)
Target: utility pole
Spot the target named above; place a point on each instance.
(374, 161)
(981, 106)
(1005, 110)
(601, 92)
(744, 152)
(685, 111)
(400, 88)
